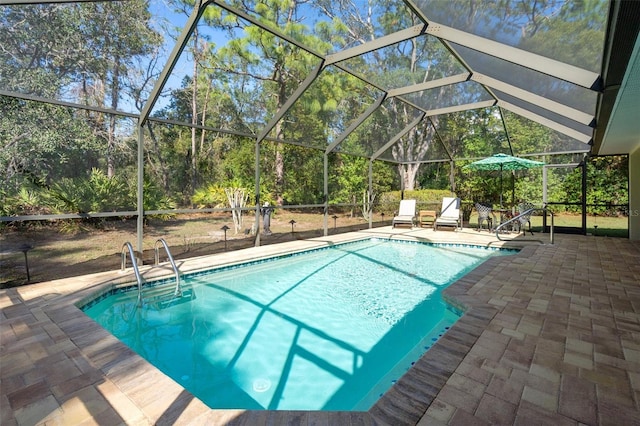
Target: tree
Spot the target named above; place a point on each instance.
(40, 52)
(607, 185)
(258, 70)
(39, 56)
(350, 179)
(42, 143)
(78, 52)
(116, 34)
(414, 61)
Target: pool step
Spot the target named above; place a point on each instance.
(161, 299)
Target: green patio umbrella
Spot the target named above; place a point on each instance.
(503, 162)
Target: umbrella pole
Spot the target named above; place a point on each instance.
(513, 188)
(501, 186)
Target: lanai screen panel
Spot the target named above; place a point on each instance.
(326, 109)
(421, 144)
(259, 70)
(545, 113)
(532, 81)
(224, 158)
(573, 158)
(387, 122)
(331, 26)
(407, 63)
(529, 137)
(473, 133)
(560, 142)
(85, 53)
(467, 92)
(256, 70)
(569, 31)
(65, 160)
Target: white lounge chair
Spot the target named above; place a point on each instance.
(449, 214)
(406, 214)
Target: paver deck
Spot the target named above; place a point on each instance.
(550, 336)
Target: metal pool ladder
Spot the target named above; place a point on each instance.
(128, 247)
(178, 290)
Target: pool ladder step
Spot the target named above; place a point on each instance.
(127, 248)
(161, 299)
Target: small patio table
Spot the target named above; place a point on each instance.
(505, 215)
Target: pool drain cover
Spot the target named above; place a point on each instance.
(261, 385)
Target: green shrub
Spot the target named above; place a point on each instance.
(25, 202)
(99, 193)
(155, 199)
(210, 196)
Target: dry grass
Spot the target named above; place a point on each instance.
(58, 253)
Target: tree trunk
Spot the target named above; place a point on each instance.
(279, 172)
(111, 137)
(203, 119)
(279, 160)
(237, 201)
(452, 177)
(410, 173)
(164, 172)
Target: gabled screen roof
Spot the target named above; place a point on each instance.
(388, 80)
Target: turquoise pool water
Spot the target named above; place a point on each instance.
(330, 329)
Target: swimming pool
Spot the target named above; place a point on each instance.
(330, 329)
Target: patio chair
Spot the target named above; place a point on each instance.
(406, 214)
(426, 218)
(524, 218)
(449, 214)
(485, 214)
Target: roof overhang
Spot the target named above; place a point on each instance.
(618, 130)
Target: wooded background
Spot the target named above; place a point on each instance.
(55, 159)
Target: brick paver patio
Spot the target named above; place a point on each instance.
(550, 336)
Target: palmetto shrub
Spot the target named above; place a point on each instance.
(98, 193)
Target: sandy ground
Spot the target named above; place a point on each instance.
(60, 251)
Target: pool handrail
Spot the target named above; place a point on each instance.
(524, 213)
(178, 290)
(128, 247)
